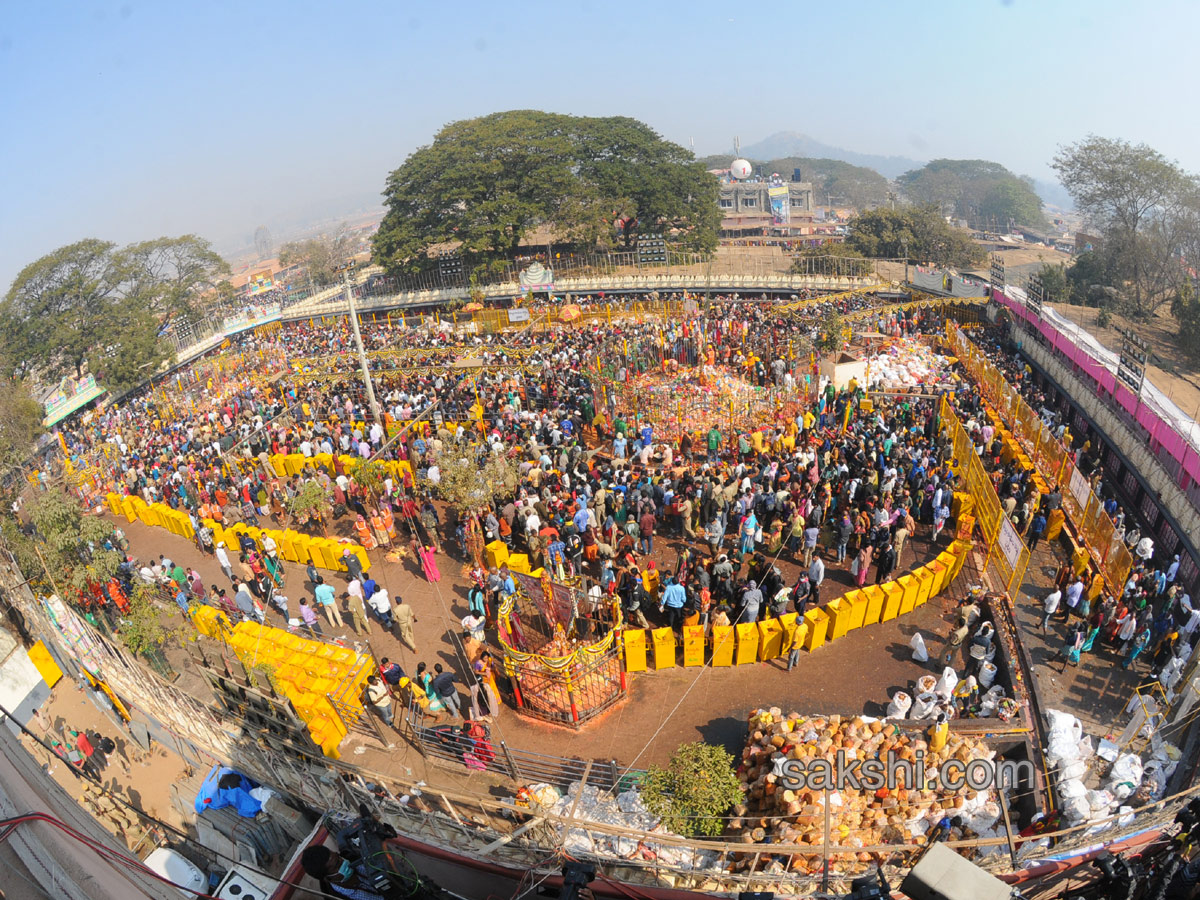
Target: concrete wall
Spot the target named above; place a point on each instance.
(1170, 498)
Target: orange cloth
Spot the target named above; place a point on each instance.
(389, 522)
(381, 533)
(364, 534)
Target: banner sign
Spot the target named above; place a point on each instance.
(252, 317)
(1010, 542)
(70, 396)
(781, 204)
(1080, 488)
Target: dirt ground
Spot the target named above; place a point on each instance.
(1171, 372)
(141, 779)
(664, 708)
(1097, 690)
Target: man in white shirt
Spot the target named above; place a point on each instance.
(1050, 606)
(1074, 594)
(1173, 570)
(382, 604)
(533, 524)
(1190, 626)
(223, 561)
(816, 574)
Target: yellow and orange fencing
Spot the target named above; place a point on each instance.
(735, 645)
(1052, 461)
(1007, 556)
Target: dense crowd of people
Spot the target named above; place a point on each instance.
(1151, 615)
(831, 482)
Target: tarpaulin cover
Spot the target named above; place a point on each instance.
(211, 796)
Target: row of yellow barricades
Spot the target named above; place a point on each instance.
(771, 638)
(496, 554)
(1011, 449)
(326, 553)
(135, 509)
(288, 464)
(303, 670)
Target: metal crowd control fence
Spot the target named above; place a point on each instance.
(470, 821)
(1007, 555)
(1053, 462)
(446, 744)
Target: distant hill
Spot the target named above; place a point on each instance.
(849, 185)
(792, 143)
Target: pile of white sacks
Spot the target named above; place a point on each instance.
(1077, 761)
(624, 811)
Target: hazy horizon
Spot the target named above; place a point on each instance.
(126, 121)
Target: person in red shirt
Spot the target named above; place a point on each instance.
(646, 525)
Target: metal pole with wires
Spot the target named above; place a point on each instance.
(358, 344)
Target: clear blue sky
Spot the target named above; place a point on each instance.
(129, 120)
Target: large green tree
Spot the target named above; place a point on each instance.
(1147, 210)
(20, 421)
(1186, 308)
(175, 275)
(916, 232)
(67, 550)
(94, 302)
(974, 189)
(58, 304)
(485, 183)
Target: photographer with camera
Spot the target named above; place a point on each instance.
(337, 875)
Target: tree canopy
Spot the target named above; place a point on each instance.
(468, 480)
(170, 275)
(484, 183)
(694, 791)
(915, 232)
(94, 302)
(76, 549)
(20, 420)
(974, 189)
(319, 257)
(1147, 210)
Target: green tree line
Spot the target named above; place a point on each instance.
(1144, 210)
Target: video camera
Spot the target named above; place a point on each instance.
(362, 844)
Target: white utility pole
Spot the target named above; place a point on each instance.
(362, 354)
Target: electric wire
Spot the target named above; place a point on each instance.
(178, 833)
